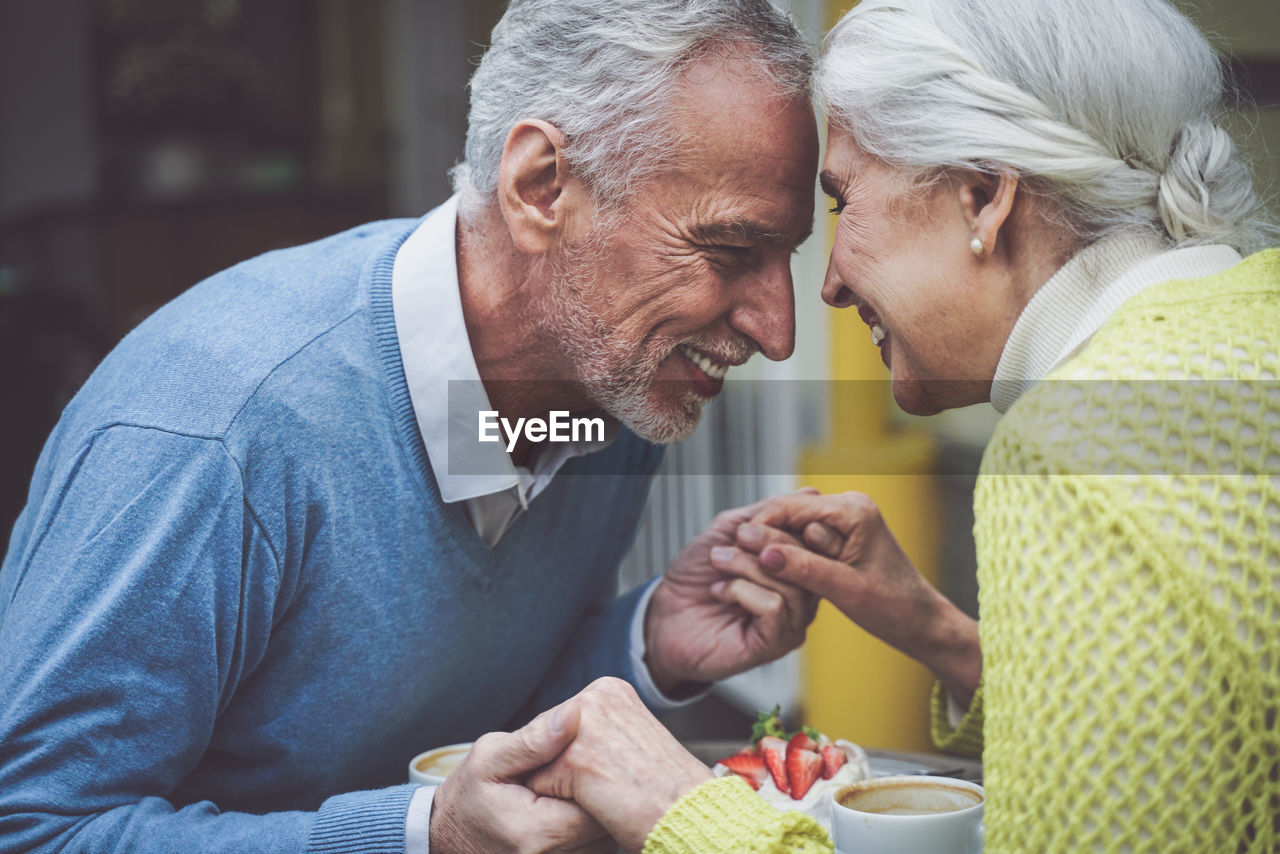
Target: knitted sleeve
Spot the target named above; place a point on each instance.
(1126, 709)
(965, 738)
(723, 816)
(1128, 539)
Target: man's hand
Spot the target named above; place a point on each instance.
(851, 558)
(623, 767)
(716, 614)
(483, 807)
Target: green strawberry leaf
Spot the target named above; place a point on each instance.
(770, 723)
(767, 723)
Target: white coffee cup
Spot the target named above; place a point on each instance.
(430, 767)
(908, 815)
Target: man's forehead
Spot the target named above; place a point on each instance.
(741, 165)
(730, 96)
(748, 155)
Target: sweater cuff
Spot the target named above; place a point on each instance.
(965, 737)
(366, 822)
(724, 815)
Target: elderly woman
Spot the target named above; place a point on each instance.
(1030, 192)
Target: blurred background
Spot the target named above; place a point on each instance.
(145, 144)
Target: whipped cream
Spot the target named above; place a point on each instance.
(816, 802)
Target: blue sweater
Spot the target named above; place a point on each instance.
(235, 605)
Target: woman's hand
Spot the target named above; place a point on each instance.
(851, 559)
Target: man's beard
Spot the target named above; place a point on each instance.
(618, 375)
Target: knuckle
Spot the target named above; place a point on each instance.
(613, 688)
(486, 744)
(861, 507)
(826, 534)
(799, 568)
(776, 536)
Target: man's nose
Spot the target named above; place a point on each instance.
(835, 292)
(766, 311)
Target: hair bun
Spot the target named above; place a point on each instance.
(1206, 190)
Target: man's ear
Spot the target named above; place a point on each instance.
(986, 201)
(536, 192)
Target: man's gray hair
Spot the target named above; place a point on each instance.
(602, 71)
(1111, 109)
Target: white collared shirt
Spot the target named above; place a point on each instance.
(447, 393)
(439, 366)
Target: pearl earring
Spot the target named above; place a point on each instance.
(977, 246)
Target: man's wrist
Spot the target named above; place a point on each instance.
(670, 693)
(670, 686)
(662, 679)
(669, 683)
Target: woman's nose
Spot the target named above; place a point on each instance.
(835, 292)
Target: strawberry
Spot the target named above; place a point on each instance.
(803, 767)
(774, 751)
(748, 765)
(801, 741)
(832, 758)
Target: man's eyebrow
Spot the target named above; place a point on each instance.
(741, 229)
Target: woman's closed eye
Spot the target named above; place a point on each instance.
(830, 188)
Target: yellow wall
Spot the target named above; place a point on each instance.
(856, 686)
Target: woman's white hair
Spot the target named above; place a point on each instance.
(1109, 109)
(601, 71)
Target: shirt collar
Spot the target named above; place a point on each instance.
(441, 373)
(1077, 300)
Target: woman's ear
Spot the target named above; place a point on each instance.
(986, 201)
(535, 189)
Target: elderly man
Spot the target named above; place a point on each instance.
(266, 555)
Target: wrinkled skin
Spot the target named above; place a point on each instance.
(624, 767)
(716, 613)
(484, 807)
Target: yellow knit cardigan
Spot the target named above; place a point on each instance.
(1128, 533)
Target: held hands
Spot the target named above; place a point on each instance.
(849, 557)
(742, 593)
(483, 806)
(623, 767)
(703, 624)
